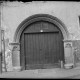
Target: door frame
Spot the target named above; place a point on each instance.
(44, 17)
(22, 54)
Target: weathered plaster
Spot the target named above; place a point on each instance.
(66, 12)
(13, 13)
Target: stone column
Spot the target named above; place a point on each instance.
(68, 52)
(16, 56)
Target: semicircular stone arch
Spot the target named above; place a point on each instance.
(38, 17)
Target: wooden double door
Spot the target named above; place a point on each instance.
(41, 46)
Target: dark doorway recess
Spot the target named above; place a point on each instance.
(41, 46)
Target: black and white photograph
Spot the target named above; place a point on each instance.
(40, 39)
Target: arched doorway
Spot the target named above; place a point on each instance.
(41, 42)
(42, 45)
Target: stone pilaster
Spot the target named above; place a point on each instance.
(68, 52)
(76, 46)
(16, 56)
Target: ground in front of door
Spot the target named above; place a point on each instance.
(43, 73)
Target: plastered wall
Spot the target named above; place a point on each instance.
(13, 13)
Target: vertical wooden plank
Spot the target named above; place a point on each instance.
(49, 47)
(37, 52)
(33, 52)
(38, 45)
(26, 49)
(21, 52)
(44, 47)
(48, 43)
(57, 46)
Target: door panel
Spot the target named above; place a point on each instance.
(40, 49)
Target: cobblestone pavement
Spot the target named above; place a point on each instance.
(43, 73)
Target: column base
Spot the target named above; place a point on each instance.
(17, 68)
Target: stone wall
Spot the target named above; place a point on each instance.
(0, 28)
(13, 13)
(76, 46)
